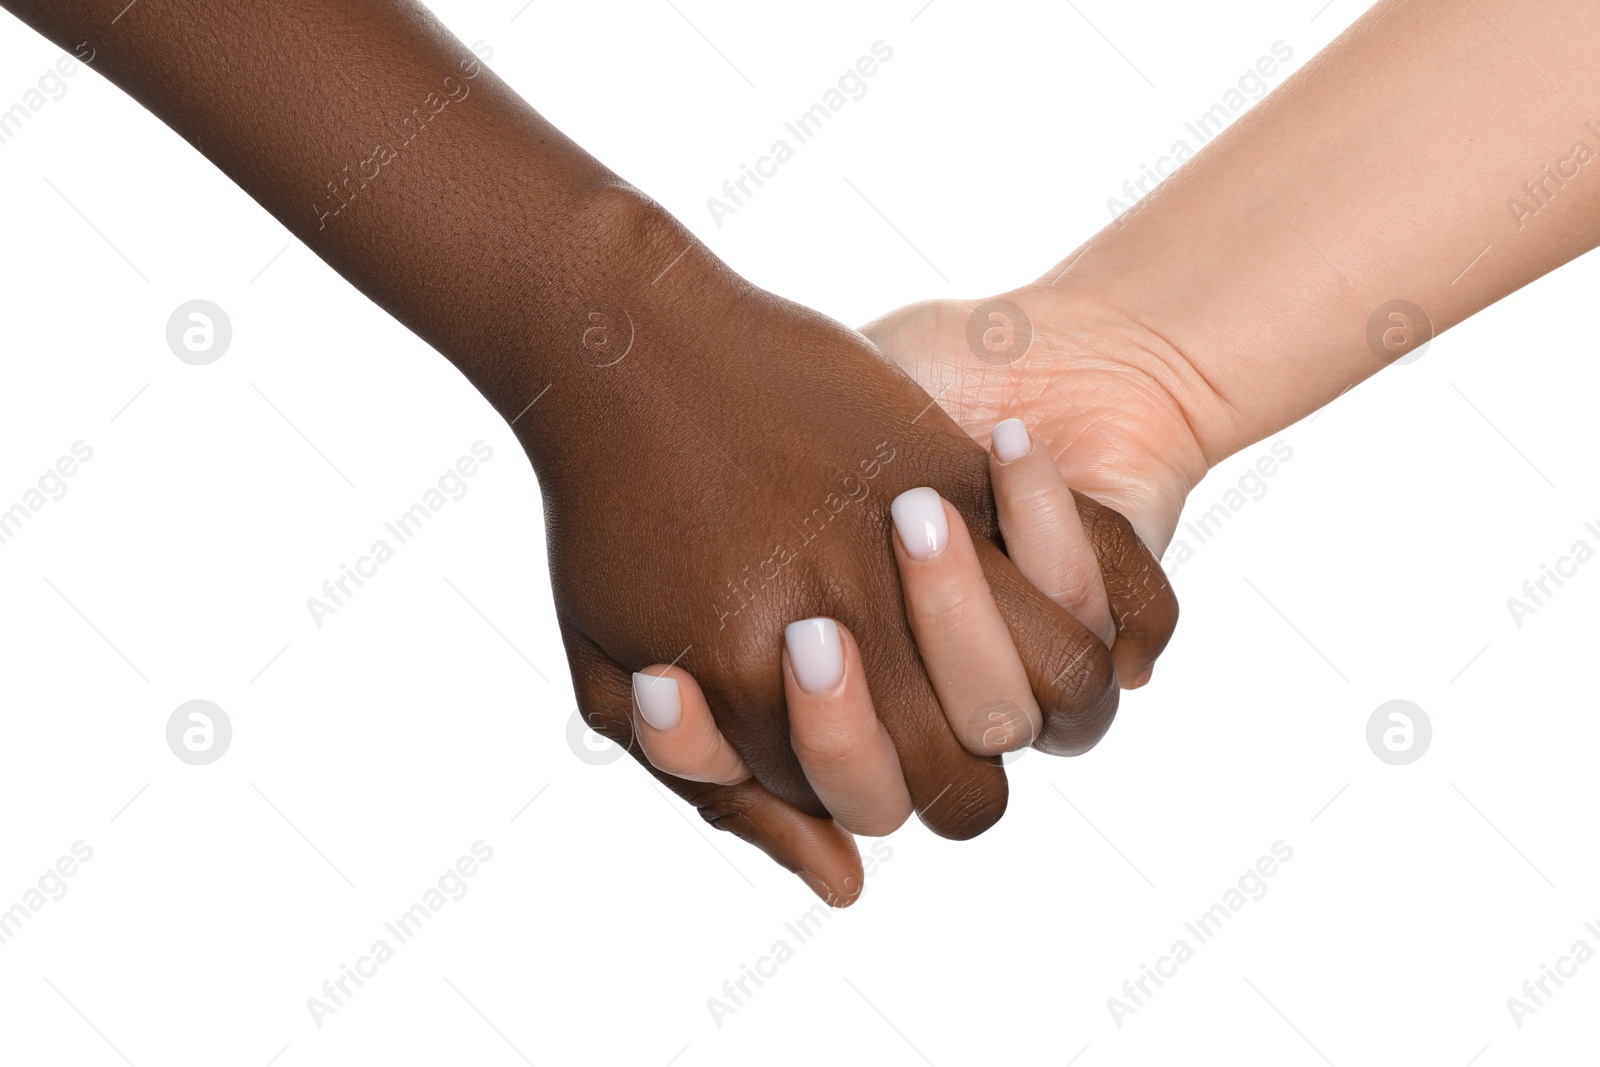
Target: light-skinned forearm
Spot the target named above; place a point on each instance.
(1387, 169)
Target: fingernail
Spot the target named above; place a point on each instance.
(1011, 440)
(817, 886)
(919, 516)
(658, 699)
(816, 653)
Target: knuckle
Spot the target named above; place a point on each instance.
(826, 748)
(1075, 735)
(1115, 543)
(967, 807)
(947, 605)
(1034, 510)
(725, 807)
(1080, 583)
(1141, 598)
(1081, 699)
(1081, 671)
(1075, 727)
(963, 479)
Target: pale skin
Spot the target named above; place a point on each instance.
(1235, 299)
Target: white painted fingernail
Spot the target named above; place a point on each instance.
(816, 653)
(1011, 440)
(659, 700)
(919, 516)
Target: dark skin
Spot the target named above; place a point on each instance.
(687, 421)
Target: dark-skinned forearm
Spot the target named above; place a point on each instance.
(384, 144)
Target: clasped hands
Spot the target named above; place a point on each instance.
(821, 603)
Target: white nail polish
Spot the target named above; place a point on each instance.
(816, 653)
(658, 698)
(1011, 440)
(919, 516)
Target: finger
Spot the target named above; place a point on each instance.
(847, 755)
(1142, 601)
(956, 794)
(972, 664)
(1044, 536)
(1069, 668)
(819, 851)
(675, 729)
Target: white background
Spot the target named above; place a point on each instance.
(370, 754)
